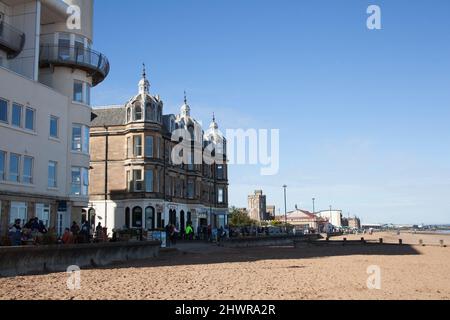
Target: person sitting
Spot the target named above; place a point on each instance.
(15, 233)
(42, 228)
(67, 237)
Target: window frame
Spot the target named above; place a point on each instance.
(149, 188)
(149, 147)
(27, 109)
(74, 97)
(55, 180)
(24, 176)
(137, 147)
(16, 106)
(18, 167)
(7, 110)
(57, 127)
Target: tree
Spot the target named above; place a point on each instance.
(240, 218)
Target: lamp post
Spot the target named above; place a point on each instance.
(285, 209)
(314, 205)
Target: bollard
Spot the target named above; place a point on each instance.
(362, 240)
(442, 243)
(421, 242)
(381, 240)
(400, 241)
(345, 240)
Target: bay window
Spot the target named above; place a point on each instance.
(148, 180)
(137, 142)
(80, 181)
(149, 146)
(80, 138)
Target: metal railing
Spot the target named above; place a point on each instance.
(76, 57)
(11, 39)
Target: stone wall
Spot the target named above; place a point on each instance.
(31, 260)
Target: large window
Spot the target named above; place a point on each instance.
(18, 212)
(14, 165)
(190, 189)
(80, 138)
(29, 119)
(27, 170)
(220, 195)
(136, 220)
(148, 180)
(52, 171)
(17, 115)
(2, 165)
(54, 127)
(137, 143)
(64, 46)
(149, 146)
(3, 110)
(43, 213)
(78, 91)
(149, 218)
(137, 112)
(137, 179)
(220, 175)
(80, 181)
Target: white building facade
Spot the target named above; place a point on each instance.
(47, 70)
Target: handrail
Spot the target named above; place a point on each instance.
(87, 59)
(12, 39)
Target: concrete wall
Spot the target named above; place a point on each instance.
(28, 260)
(267, 241)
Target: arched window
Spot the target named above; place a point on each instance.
(137, 112)
(137, 217)
(149, 218)
(127, 218)
(128, 114)
(172, 217)
(149, 112)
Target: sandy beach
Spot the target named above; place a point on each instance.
(208, 272)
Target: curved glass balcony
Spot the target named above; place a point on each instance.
(78, 57)
(11, 40)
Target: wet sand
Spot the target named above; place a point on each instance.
(205, 271)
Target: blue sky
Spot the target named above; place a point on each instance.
(363, 115)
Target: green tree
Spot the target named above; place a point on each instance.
(240, 218)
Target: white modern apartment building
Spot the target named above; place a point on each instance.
(332, 216)
(47, 70)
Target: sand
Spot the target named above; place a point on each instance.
(208, 272)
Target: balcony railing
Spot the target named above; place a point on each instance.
(95, 63)
(11, 40)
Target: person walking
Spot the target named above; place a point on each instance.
(189, 232)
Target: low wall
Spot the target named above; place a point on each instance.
(31, 260)
(265, 241)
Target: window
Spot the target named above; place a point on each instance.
(220, 196)
(14, 165)
(29, 119)
(3, 110)
(137, 179)
(149, 218)
(79, 48)
(27, 170)
(148, 180)
(78, 91)
(137, 112)
(18, 212)
(149, 111)
(76, 138)
(88, 94)
(2, 165)
(53, 127)
(86, 133)
(43, 213)
(80, 181)
(76, 181)
(52, 170)
(17, 115)
(137, 142)
(190, 189)
(64, 46)
(220, 172)
(149, 146)
(136, 221)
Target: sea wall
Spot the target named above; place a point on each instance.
(44, 259)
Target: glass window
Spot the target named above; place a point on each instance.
(220, 197)
(64, 46)
(220, 172)
(53, 127)
(149, 218)
(43, 213)
(79, 48)
(18, 212)
(137, 218)
(14, 165)
(149, 146)
(86, 133)
(29, 119)
(27, 170)
(76, 181)
(149, 181)
(85, 184)
(190, 190)
(52, 166)
(17, 115)
(3, 110)
(88, 94)
(76, 138)
(78, 91)
(2, 165)
(137, 112)
(137, 178)
(137, 141)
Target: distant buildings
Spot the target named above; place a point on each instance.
(257, 208)
(301, 219)
(354, 223)
(332, 216)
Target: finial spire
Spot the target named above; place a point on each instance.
(185, 97)
(214, 117)
(144, 74)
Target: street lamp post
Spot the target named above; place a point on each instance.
(314, 205)
(285, 209)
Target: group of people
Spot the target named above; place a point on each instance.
(32, 231)
(75, 234)
(205, 233)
